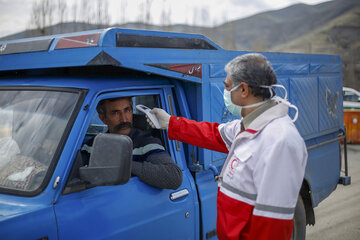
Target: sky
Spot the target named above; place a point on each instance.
(15, 15)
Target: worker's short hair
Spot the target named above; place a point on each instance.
(253, 69)
(101, 108)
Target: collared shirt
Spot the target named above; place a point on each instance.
(246, 121)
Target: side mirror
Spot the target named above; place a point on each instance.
(110, 160)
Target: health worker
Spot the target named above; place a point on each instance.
(261, 178)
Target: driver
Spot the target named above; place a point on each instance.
(151, 163)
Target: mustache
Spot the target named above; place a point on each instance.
(121, 125)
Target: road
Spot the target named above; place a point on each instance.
(338, 216)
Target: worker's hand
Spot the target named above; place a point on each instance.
(162, 116)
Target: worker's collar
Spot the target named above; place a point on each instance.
(247, 120)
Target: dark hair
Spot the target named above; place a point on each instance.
(253, 69)
(101, 109)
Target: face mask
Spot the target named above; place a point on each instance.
(236, 109)
(282, 100)
(275, 85)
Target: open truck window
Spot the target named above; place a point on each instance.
(32, 125)
(96, 126)
(139, 120)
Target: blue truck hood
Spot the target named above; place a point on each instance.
(9, 209)
(20, 218)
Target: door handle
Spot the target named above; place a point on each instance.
(179, 194)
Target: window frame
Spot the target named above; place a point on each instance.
(54, 161)
(162, 94)
(134, 93)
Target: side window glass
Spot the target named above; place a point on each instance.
(351, 97)
(32, 123)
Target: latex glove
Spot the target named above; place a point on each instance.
(162, 116)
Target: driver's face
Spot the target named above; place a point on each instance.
(119, 116)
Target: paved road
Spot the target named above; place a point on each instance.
(338, 216)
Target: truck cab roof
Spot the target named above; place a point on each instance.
(147, 51)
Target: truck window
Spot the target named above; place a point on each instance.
(96, 126)
(139, 121)
(32, 124)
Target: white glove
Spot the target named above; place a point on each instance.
(162, 116)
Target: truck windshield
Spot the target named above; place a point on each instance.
(31, 126)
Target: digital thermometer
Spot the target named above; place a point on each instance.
(151, 116)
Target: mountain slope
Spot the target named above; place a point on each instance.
(330, 28)
(281, 26)
(340, 36)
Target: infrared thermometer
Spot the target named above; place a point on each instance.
(151, 116)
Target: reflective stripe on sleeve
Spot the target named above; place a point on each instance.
(222, 134)
(267, 208)
(239, 192)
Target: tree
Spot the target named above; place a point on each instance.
(85, 11)
(123, 7)
(61, 9)
(42, 15)
(102, 13)
(74, 15)
(148, 4)
(195, 16)
(204, 16)
(166, 14)
(141, 8)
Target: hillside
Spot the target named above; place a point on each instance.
(278, 27)
(341, 36)
(328, 28)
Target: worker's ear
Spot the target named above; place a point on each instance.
(244, 90)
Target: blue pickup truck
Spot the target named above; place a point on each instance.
(49, 90)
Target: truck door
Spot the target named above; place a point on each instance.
(134, 210)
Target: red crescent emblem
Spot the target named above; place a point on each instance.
(232, 162)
